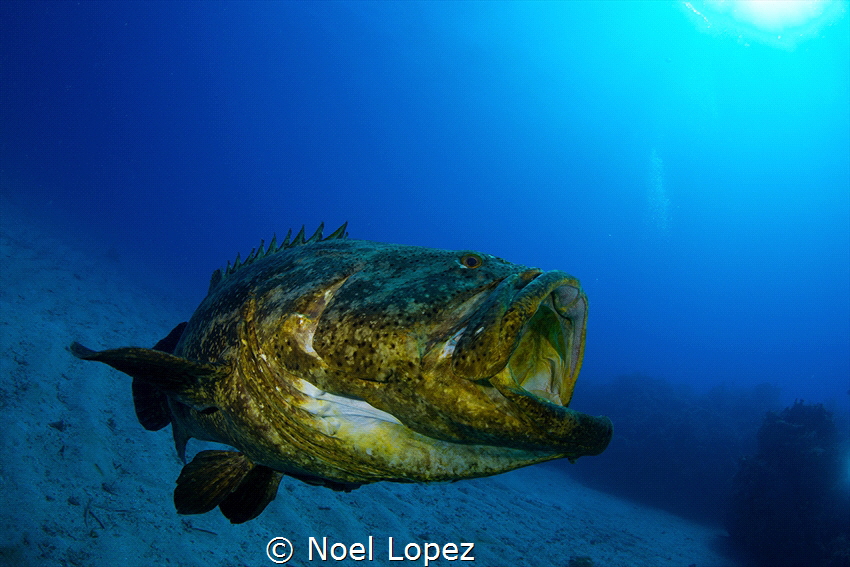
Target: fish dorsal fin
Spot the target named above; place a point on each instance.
(189, 382)
(226, 479)
(258, 253)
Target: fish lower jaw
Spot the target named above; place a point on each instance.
(373, 445)
(540, 384)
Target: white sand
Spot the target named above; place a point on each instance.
(82, 483)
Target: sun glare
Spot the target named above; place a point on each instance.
(778, 15)
(781, 23)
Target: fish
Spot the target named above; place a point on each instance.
(344, 362)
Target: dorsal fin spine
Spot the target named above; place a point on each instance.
(338, 233)
(317, 236)
(299, 238)
(274, 247)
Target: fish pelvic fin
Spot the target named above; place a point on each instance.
(185, 380)
(226, 479)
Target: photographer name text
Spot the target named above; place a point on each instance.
(281, 550)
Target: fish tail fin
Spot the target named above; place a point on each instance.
(151, 403)
(226, 479)
(185, 380)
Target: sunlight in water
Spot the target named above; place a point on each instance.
(781, 23)
(659, 204)
(778, 15)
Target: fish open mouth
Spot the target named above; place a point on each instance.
(526, 342)
(547, 359)
(528, 336)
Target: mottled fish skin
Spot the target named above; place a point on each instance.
(344, 362)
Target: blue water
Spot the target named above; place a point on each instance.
(692, 169)
(696, 183)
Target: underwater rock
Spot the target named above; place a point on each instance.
(681, 447)
(788, 506)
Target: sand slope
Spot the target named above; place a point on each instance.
(81, 483)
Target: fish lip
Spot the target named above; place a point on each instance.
(505, 338)
(563, 298)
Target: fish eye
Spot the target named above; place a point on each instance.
(471, 261)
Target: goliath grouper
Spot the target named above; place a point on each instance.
(343, 362)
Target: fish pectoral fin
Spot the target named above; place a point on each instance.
(186, 380)
(226, 479)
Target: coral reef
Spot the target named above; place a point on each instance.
(789, 507)
(673, 448)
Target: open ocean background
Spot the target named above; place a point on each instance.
(689, 162)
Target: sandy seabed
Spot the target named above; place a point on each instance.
(81, 483)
